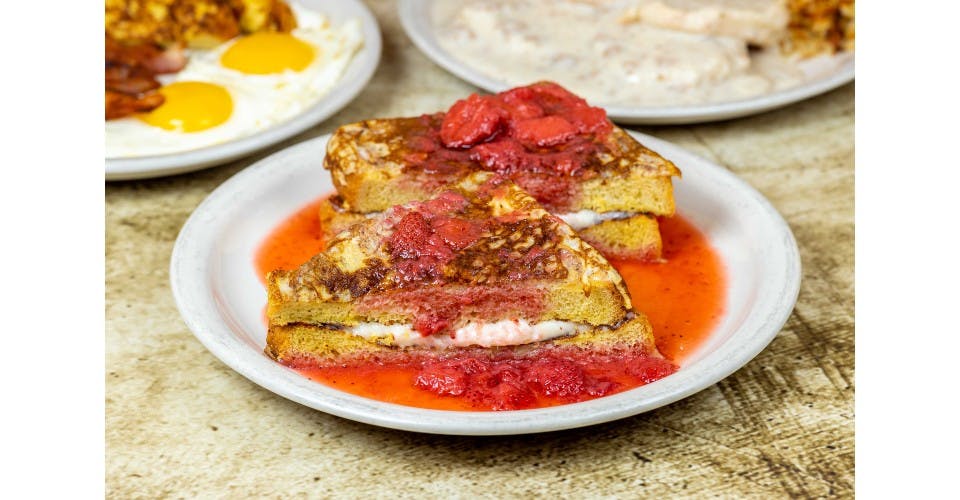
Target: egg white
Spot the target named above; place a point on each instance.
(259, 101)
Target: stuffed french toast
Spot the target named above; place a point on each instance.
(479, 268)
(563, 152)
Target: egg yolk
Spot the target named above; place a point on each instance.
(265, 53)
(191, 107)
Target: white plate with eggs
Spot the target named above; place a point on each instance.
(236, 106)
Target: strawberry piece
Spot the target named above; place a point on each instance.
(520, 104)
(421, 251)
(504, 388)
(557, 377)
(457, 233)
(600, 387)
(544, 132)
(468, 365)
(589, 120)
(649, 369)
(429, 324)
(409, 236)
(471, 121)
(502, 157)
(441, 380)
(446, 203)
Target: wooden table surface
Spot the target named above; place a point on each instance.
(182, 424)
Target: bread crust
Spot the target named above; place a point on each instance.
(368, 162)
(355, 279)
(634, 237)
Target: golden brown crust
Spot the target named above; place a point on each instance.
(503, 249)
(373, 168)
(517, 243)
(334, 219)
(636, 237)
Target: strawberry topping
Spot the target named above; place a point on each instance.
(471, 121)
(522, 132)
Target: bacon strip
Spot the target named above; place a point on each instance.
(130, 85)
(119, 105)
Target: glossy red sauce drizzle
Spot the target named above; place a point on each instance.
(683, 297)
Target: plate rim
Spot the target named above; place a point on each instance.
(187, 270)
(411, 20)
(338, 97)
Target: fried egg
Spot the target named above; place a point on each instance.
(239, 88)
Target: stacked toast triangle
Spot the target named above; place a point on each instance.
(479, 265)
(563, 152)
(476, 229)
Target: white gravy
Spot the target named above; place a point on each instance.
(610, 55)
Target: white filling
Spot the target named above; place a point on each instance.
(501, 333)
(587, 218)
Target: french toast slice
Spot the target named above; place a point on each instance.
(564, 153)
(480, 265)
(624, 236)
(374, 166)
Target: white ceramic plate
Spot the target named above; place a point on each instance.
(353, 80)
(221, 299)
(822, 75)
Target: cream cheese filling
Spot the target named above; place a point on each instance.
(586, 218)
(483, 334)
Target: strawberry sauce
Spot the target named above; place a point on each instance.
(543, 137)
(683, 298)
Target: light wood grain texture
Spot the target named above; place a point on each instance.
(181, 424)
